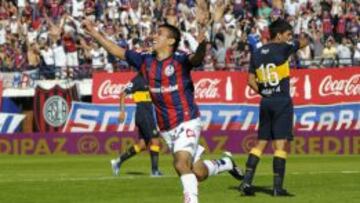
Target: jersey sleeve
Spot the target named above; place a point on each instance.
(183, 58)
(291, 48)
(134, 85)
(134, 59)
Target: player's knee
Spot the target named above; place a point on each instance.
(155, 141)
(182, 166)
(200, 175)
(142, 145)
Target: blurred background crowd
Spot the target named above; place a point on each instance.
(45, 36)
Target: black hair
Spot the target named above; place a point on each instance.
(278, 27)
(174, 33)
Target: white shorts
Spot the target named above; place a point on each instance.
(185, 137)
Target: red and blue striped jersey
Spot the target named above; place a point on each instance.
(170, 84)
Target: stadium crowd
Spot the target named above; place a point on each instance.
(46, 35)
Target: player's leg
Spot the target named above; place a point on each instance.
(183, 165)
(151, 136)
(154, 156)
(130, 152)
(264, 135)
(282, 127)
(184, 146)
(206, 168)
(251, 165)
(279, 163)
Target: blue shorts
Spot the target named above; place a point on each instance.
(276, 118)
(146, 127)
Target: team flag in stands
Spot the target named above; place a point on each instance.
(52, 106)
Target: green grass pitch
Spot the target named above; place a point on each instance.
(88, 179)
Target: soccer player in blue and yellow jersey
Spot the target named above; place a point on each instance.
(144, 121)
(269, 75)
(167, 73)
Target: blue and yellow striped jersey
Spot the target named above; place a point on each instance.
(139, 89)
(270, 64)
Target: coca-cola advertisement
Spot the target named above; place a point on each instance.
(323, 86)
(108, 86)
(210, 87)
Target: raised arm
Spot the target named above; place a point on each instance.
(202, 17)
(110, 46)
(197, 58)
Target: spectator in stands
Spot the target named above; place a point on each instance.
(220, 52)
(33, 56)
(357, 53)
(2, 35)
(209, 60)
(329, 54)
(121, 20)
(344, 52)
(304, 55)
(244, 57)
(47, 70)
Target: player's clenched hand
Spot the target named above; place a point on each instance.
(121, 116)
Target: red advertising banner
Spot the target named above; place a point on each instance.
(322, 86)
(107, 86)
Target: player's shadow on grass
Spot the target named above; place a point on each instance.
(257, 189)
(136, 173)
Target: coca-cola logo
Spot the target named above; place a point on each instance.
(207, 88)
(251, 94)
(345, 87)
(109, 90)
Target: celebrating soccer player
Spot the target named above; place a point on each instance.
(167, 73)
(269, 76)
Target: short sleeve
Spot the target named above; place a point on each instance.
(134, 85)
(134, 59)
(291, 48)
(183, 59)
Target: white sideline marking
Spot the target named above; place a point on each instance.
(129, 177)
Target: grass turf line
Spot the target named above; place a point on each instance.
(40, 179)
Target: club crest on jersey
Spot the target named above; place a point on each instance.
(190, 133)
(169, 70)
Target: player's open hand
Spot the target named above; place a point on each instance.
(122, 116)
(219, 10)
(88, 26)
(202, 13)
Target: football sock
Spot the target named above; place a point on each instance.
(252, 162)
(217, 166)
(154, 155)
(190, 188)
(129, 153)
(279, 163)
